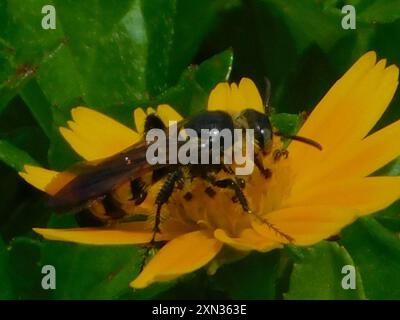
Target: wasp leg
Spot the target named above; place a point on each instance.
(278, 154)
(239, 195)
(240, 181)
(210, 192)
(138, 186)
(272, 227)
(163, 196)
(264, 171)
(235, 186)
(185, 183)
(113, 211)
(139, 192)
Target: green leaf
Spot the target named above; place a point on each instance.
(317, 275)
(310, 21)
(31, 140)
(390, 217)
(39, 106)
(392, 169)
(24, 45)
(172, 49)
(116, 53)
(91, 272)
(212, 71)
(61, 155)
(253, 277)
(182, 288)
(6, 289)
(374, 11)
(26, 268)
(376, 253)
(24, 214)
(191, 93)
(286, 123)
(14, 157)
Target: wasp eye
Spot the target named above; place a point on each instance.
(261, 125)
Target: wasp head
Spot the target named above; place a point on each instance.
(259, 122)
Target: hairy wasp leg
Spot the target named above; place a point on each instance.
(162, 197)
(231, 172)
(264, 171)
(234, 185)
(210, 192)
(241, 182)
(164, 194)
(272, 227)
(112, 208)
(278, 154)
(138, 186)
(139, 192)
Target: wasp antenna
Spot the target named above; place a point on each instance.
(305, 140)
(267, 95)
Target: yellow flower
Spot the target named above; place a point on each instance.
(310, 196)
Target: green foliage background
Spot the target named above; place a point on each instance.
(114, 55)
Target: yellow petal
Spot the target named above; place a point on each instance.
(370, 109)
(139, 117)
(237, 102)
(364, 158)
(219, 97)
(306, 225)
(59, 181)
(127, 233)
(150, 110)
(247, 241)
(251, 95)
(364, 195)
(327, 107)
(347, 113)
(372, 153)
(234, 99)
(37, 176)
(80, 146)
(182, 255)
(94, 135)
(167, 114)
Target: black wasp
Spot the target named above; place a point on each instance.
(95, 184)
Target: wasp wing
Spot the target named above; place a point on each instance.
(91, 180)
